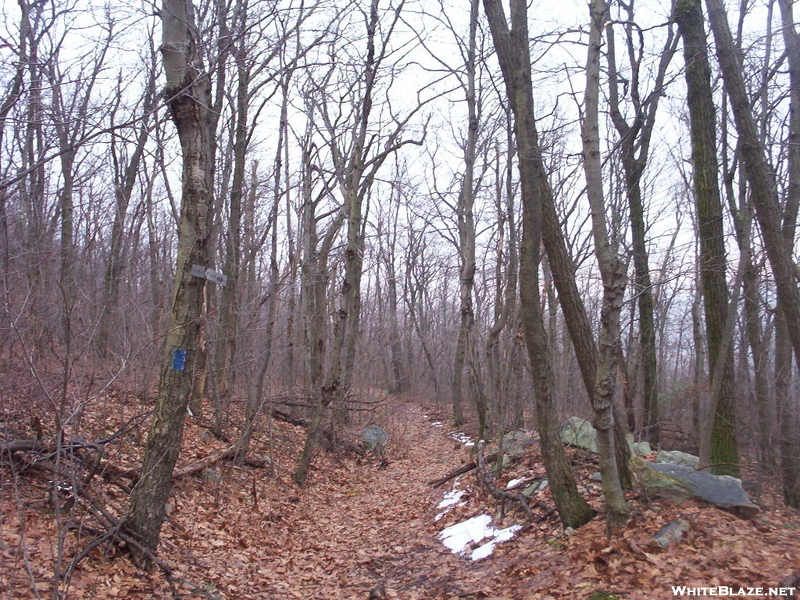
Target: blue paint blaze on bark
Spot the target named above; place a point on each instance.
(179, 359)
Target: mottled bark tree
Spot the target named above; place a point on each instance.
(613, 275)
(188, 95)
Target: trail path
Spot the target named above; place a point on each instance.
(374, 525)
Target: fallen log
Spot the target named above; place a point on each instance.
(204, 462)
(214, 458)
(465, 468)
(21, 446)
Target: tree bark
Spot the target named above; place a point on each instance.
(511, 46)
(612, 272)
(188, 96)
(721, 448)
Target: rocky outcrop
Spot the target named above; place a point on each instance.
(581, 434)
(677, 482)
(676, 457)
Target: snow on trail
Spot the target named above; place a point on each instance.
(460, 536)
(370, 525)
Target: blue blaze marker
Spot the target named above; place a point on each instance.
(179, 359)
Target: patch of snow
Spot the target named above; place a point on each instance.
(500, 535)
(483, 551)
(462, 438)
(449, 501)
(503, 535)
(457, 537)
(514, 483)
(451, 498)
(472, 531)
(437, 423)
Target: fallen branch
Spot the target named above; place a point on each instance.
(287, 418)
(500, 494)
(465, 468)
(214, 458)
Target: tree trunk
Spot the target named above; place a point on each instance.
(612, 271)
(189, 98)
(123, 188)
(512, 52)
(787, 403)
(763, 187)
(723, 449)
(466, 229)
(636, 136)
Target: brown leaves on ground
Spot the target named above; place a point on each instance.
(356, 528)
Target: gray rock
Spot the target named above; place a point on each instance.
(213, 476)
(375, 438)
(676, 482)
(676, 457)
(579, 432)
(536, 487)
(596, 477)
(671, 533)
(517, 443)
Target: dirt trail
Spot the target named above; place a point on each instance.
(375, 525)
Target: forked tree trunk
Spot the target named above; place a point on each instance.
(635, 149)
(511, 46)
(721, 448)
(189, 98)
(612, 272)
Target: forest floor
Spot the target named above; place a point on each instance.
(358, 524)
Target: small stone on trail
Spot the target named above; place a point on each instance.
(671, 533)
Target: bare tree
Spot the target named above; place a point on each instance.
(188, 95)
(720, 446)
(357, 155)
(635, 138)
(511, 46)
(612, 271)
